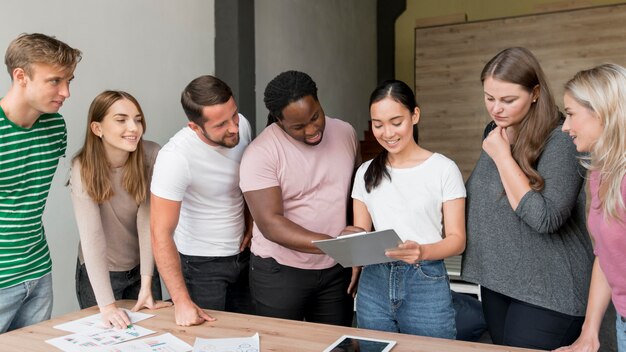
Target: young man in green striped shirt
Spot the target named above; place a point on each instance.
(32, 139)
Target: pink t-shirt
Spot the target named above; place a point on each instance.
(610, 243)
(314, 180)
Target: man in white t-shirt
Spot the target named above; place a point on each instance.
(199, 221)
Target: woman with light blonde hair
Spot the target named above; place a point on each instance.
(595, 105)
(110, 181)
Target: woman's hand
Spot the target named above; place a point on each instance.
(354, 280)
(584, 343)
(112, 316)
(351, 229)
(497, 144)
(145, 300)
(409, 252)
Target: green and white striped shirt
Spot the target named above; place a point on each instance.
(28, 161)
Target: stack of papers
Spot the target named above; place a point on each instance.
(247, 344)
(90, 335)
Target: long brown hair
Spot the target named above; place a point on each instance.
(95, 170)
(520, 66)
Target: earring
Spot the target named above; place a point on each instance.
(534, 100)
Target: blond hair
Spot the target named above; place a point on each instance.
(28, 49)
(602, 90)
(95, 170)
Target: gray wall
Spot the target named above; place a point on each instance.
(334, 41)
(153, 48)
(150, 48)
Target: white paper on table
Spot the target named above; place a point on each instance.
(93, 323)
(101, 338)
(247, 344)
(161, 343)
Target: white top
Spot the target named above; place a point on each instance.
(412, 202)
(206, 180)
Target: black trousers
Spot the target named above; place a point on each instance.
(515, 323)
(125, 285)
(219, 283)
(318, 296)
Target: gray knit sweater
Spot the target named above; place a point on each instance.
(539, 253)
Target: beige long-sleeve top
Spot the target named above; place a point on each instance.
(114, 235)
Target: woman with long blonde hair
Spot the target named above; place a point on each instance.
(109, 182)
(595, 106)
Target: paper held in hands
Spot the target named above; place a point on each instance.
(363, 248)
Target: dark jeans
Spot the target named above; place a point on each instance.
(219, 283)
(318, 296)
(125, 285)
(470, 321)
(515, 323)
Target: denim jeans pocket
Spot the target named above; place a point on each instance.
(434, 270)
(267, 265)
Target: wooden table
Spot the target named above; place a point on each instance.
(275, 334)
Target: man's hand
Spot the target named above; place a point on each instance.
(245, 240)
(188, 314)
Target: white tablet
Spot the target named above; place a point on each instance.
(363, 248)
(348, 343)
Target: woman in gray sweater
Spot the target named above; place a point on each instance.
(527, 244)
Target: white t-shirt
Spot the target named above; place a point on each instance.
(206, 180)
(412, 202)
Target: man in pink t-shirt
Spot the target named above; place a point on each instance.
(296, 178)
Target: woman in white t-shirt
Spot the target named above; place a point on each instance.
(109, 182)
(421, 195)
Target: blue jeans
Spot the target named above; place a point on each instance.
(620, 327)
(25, 304)
(219, 283)
(410, 299)
(125, 285)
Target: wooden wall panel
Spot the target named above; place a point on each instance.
(449, 59)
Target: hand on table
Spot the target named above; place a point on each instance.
(188, 314)
(582, 344)
(112, 316)
(145, 300)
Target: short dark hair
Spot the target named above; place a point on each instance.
(203, 91)
(284, 89)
